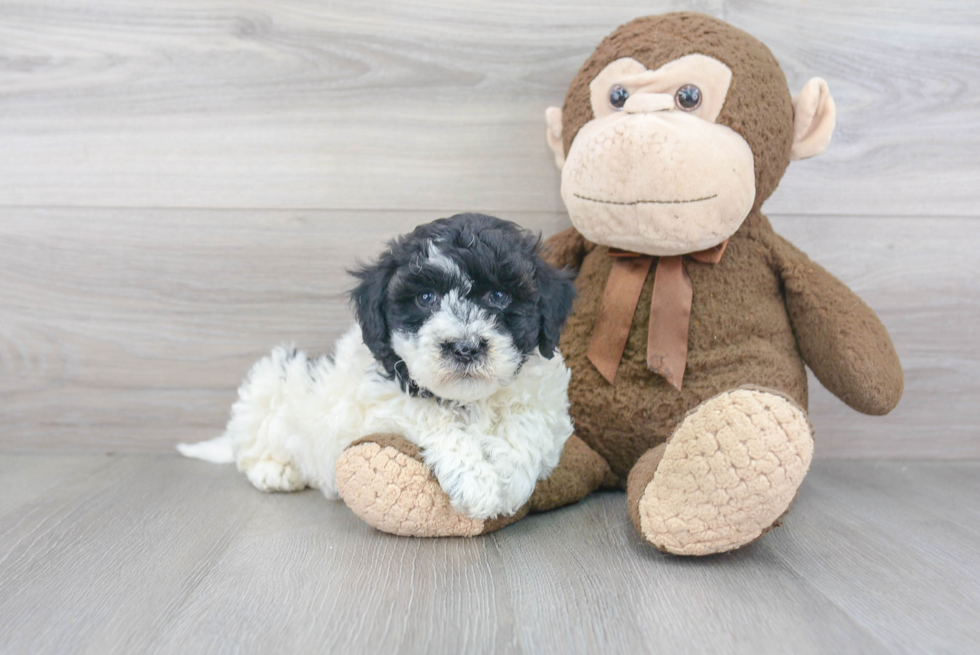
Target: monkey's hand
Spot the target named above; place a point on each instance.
(840, 337)
(566, 249)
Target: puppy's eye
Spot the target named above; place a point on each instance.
(618, 96)
(497, 299)
(688, 97)
(427, 299)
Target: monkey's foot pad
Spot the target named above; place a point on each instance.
(395, 493)
(728, 473)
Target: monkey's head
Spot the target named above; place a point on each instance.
(675, 129)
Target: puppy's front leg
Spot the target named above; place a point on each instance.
(489, 475)
(472, 483)
(524, 448)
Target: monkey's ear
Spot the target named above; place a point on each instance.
(552, 116)
(814, 117)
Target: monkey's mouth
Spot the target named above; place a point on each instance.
(645, 202)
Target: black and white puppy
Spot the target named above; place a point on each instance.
(455, 350)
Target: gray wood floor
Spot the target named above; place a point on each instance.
(152, 553)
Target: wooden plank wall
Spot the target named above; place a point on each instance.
(185, 181)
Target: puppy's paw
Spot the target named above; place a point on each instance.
(476, 492)
(385, 482)
(272, 475)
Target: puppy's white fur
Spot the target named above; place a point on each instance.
(295, 416)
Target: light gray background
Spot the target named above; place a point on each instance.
(184, 183)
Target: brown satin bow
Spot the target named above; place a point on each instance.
(670, 312)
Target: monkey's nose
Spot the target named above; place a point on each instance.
(642, 103)
(465, 351)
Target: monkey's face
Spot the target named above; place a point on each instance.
(674, 129)
(653, 172)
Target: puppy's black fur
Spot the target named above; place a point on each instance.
(494, 254)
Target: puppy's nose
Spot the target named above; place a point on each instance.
(465, 351)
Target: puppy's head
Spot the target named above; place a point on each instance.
(455, 307)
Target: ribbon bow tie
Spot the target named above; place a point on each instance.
(670, 312)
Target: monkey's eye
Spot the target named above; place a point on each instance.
(497, 299)
(688, 97)
(618, 96)
(427, 299)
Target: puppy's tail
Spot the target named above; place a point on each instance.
(217, 450)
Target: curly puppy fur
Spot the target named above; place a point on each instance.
(455, 349)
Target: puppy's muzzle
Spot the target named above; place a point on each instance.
(466, 351)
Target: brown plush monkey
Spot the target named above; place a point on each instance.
(687, 351)
(694, 319)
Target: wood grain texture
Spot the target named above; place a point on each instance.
(150, 158)
(127, 330)
(438, 105)
(157, 554)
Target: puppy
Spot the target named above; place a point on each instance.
(455, 350)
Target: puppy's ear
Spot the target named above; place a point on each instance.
(370, 299)
(556, 294)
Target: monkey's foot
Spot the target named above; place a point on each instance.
(725, 477)
(384, 481)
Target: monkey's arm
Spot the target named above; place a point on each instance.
(840, 337)
(566, 249)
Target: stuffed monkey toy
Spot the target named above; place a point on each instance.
(694, 319)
